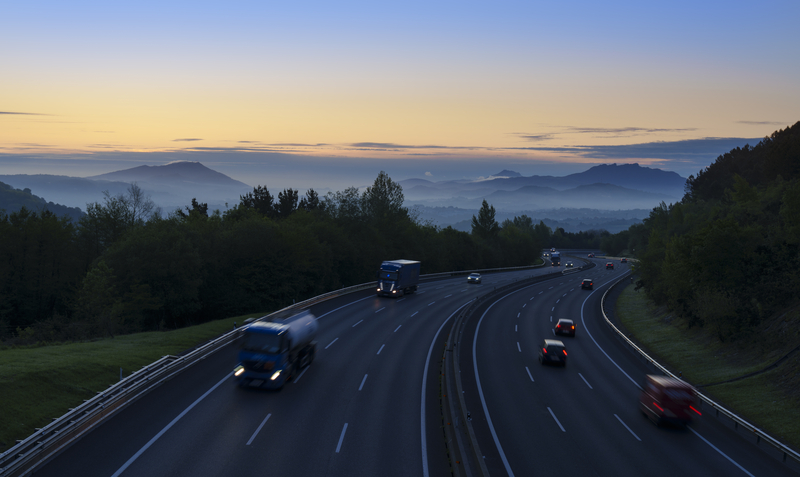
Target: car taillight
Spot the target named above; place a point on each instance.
(659, 407)
(545, 350)
(565, 352)
(695, 410)
(573, 327)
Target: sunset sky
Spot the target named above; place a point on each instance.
(444, 88)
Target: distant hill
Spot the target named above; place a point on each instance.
(170, 186)
(13, 200)
(182, 173)
(608, 187)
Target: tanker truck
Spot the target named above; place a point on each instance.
(275, 349)
(398, 277)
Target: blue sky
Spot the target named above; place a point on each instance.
(304, 92)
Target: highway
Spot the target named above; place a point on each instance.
(584, 418)
(356, 410)
(369, 403)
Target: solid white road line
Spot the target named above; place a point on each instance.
(556, 419)
(425, 471)
(341, 438)
(362, 382)
(628, 428)
(721, 453)
(329, 344)
(585, 381)
(337, 309)
(258, 430)
(168, 426)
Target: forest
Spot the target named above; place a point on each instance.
(124, 268)
(726, 256)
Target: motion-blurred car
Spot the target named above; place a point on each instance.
(587, 284)
(565, 327)
(624, 260)
(668, 400)
(474, 278)
(553, 249)
(552, 351)
(568, 265)
(609, 265)
(545, 254)
(591, 255)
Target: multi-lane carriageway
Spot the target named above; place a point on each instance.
(369, 404)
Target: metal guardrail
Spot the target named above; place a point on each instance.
(47, 442)
(719, 409)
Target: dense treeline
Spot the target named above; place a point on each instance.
(123, 267)
(726, 256)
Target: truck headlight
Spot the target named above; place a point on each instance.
(238, 371)
(275, 376)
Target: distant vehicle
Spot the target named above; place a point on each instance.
(555, 259)
(553, 249)
(587, 283)
(545, 254)
(474, 278)
(398, 277)
(624, 260)
(565, 327)
(591, 255)
(610, 266)
(668, 400)
(273, 351)
(568, 265)
(552, 351)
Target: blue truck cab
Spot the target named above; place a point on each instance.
(276, 349)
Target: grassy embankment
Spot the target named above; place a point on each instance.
(770, 400)
(38, 383)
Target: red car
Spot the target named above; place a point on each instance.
(668, 400)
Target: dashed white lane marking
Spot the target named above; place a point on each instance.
(362, 382)
(556, 419)
(529, 373)
(628, 428)
(518, 348)
(341, 438)
(258, 429)
(448, 296)
(431, 303)
(379, 351)
(301, 374)
(585, 381)
(415, 313)
(359, 321)
(395, 330)
(329, 344)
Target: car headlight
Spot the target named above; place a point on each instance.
(238, 371)
(275, 376)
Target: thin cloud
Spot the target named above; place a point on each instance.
(188, 139)
(536, 137)
(23, 114)
(626, 130)
(762, 123)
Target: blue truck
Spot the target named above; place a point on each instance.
(275, 349)
(398, 277)
(555, 259)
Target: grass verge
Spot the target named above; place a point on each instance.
(762, 399)
(40, 383)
